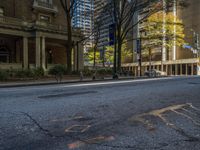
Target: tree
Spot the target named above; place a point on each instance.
(93, 57)
(123, 12)
(153, 33)
(125, 53)
(108, 55)
(68, 6)
(96, 34)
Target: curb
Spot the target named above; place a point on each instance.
(70, 82)
(60, 83)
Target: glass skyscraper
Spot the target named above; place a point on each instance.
(83, 19)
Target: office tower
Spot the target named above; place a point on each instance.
(83, 19)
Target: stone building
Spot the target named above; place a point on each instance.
(33, 34)
(178, 60)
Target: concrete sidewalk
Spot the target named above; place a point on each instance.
(53, 82)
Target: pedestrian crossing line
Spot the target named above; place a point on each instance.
(159, 113)
(188, 117)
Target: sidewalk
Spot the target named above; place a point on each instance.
(10, 84)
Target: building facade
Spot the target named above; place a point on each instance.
(177, 60)
(106, 21)
(83, 18)
(33, 34)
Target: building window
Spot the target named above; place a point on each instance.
(1, 11)
(45, 18)
(4, 55)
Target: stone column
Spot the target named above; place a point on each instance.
(135, 68)
(25, 52)
(186, 69)
(158, 67)
(171, 69)
(43, 53)
(181, 69)
(176, 69)
(198, 69)
(18, 51)
(80, 57)
(37, 52)
(76, 57)
(145, 68)
(192, 69)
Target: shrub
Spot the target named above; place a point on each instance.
(58, 71)
(27, 73)
(105, 71)
(24, 73)
(87, 72)
(38, 72)
(4, 75)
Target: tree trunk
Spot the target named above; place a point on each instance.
(150, 59)
(115, 55)
(119, 48)
(94, 63)
(119, 55)
(69, 44)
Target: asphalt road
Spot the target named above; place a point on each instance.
(161, 114)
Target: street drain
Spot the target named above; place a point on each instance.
(66, 94)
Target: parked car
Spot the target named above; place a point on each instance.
(154, 73)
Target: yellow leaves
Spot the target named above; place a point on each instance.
(125, 52)
(154, 33)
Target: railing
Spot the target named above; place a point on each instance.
(54, 27)
(10, 65)
(12, 21)
(45, 5)
(48, 26)
(21, 24)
